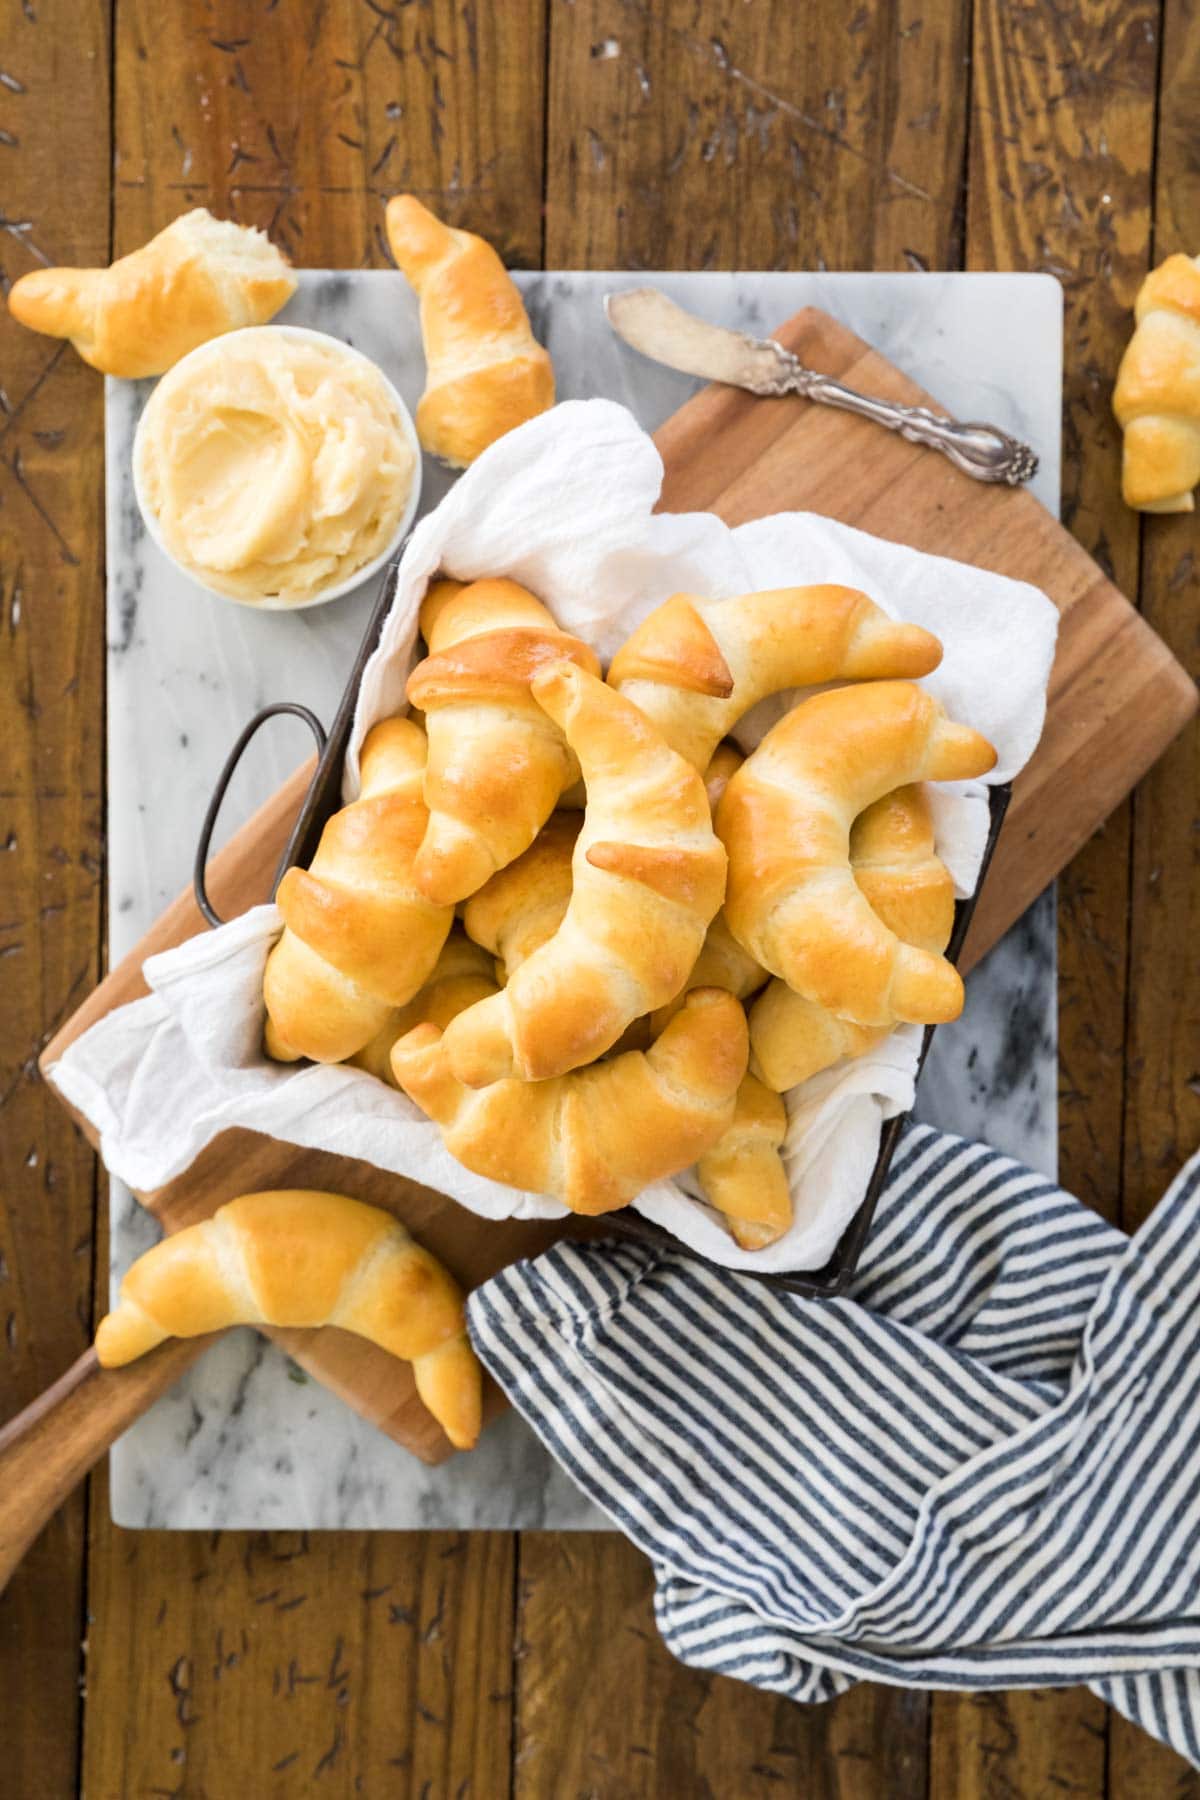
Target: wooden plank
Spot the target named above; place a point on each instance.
(773, 136)
(1162, 1112)
(1061, 145)
(1162, 1087)
(307, 119)
(392, 1673)
(703, 137)
(644, 1726)
(281, 1664)
(54, 115)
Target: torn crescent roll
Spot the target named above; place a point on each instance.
(195, 280)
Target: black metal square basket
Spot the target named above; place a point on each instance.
(324, 798)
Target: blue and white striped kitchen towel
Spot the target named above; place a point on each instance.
(980, 1469)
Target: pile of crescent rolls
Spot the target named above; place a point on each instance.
(587, 938)
(564, 915)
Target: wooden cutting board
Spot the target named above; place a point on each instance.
(1117, 699)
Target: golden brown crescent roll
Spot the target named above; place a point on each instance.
(297, 1257)
(722, 962)
(1157, 396)
(743, 1175)
(522, 906)
(462, 974)
(785, 820)
(596, 1137)
(486, 372)
(895, 866)
(198, 278)
(647, 879)
(497, 762)
(725, 759)
(696, 666)
(360, 937)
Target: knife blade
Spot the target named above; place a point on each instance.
(656, 327)
(651, 323)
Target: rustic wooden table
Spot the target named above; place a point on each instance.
(922, 134)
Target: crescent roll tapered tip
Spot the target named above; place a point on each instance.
(554, 686)
(198, 278)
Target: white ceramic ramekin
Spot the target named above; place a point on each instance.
(361, 575)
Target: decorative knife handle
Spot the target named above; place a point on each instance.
(982, 451)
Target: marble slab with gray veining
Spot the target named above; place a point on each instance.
(246, 1440)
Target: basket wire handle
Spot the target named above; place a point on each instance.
(200, 867)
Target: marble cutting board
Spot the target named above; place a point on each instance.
(247, 1440)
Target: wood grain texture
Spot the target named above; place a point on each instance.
(1061, 152)
(281, 1664)
(381, 1665)
(1162, 1046)
(48, 1448)
(674, 1730)
(53, 119)
(1059, 180)
(725, 136)
(772, 136)
(1115, 700)
(706, 134)
(304, 119)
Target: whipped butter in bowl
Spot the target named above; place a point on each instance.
(276, 466)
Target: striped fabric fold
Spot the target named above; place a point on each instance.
(978, 1469)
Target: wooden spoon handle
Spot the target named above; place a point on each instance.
(50, 1446)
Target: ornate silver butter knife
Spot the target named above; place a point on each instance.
(651, 323)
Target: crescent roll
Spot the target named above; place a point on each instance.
(198, 278)
(298, 1257)
(743, 1174)
(462, 974)
(910, 889)
(1157, 396)
(522, 906)
(360, 938)
(486, 372)
(593, 1138)
(722, 961)
(785, 819)
(647, 878)
(696, 666)
(497, 761)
